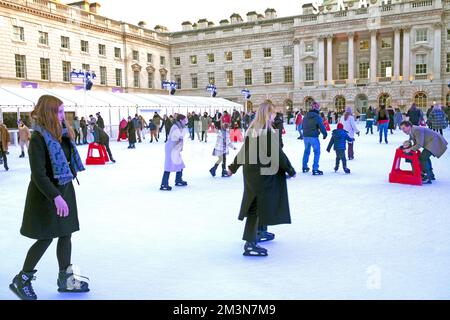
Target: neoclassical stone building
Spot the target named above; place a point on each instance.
(339, 53)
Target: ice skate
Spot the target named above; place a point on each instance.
(181, 183)
(165, 188)
(264, 236)
(225, 174)
(252, 249)
(347, 170)
(213, 170)
(21, 285)
(305, 170)
(22, 155)
(70, 282)
(317, 173)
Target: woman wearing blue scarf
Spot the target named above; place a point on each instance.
(50, 207)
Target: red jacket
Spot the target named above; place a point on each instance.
(226, 118)
(299, 119)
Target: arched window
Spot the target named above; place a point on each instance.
(339, 104)
(421, 99)
(308, 102)
(384, 100)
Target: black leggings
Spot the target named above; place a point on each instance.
(37, 250)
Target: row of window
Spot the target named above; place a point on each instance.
(21, 70)
(210, 57)
(229, 77)
(84, 45)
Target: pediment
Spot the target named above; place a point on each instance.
(421, 47)
(136, 67)
(308, 57)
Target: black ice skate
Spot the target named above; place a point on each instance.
(213, 170)
(181, 183)
(426, 179)
(347, 170)
(70, 282)
(336, 169)
(305, 170)
(317, 173)
(225, 174)
(165, 188)
(264, 236)
(252, 249)
(22, 155)
(21, 285)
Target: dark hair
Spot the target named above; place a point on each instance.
(406, 124)
(180, 117)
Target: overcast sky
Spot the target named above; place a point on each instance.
(171, 13)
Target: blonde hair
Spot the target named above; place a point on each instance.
(262, 119)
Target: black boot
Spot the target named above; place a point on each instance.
(347, 170)
(22, 155)
(253, 249)
(21, 285)
(305, 170)
(225, 173)
(213, 170)
(70, 282)
(317, 173)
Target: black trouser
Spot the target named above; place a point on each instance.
(77, 136)
(425, 162)
(37, 250)
(204, 135)
(109, 151)
(84, 129)
(251, 225)
(166, 175)
(340, 156)
(3, 156)
(167, 134)
(223, 160)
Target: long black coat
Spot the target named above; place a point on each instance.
(100, 122)
(101, 136)
(270, 191)
(131, 132)
(39, 219)
(391, 118)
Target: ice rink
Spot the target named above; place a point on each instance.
(353, 236)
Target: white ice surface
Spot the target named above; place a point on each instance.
(137, 242)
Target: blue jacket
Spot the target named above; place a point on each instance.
(339, 137)
(312, 123)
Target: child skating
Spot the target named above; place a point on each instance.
(221, 150)
(339, 138)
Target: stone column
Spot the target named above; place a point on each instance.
(330, 60)
(406, 53)
(373, 56)
(321, 61)
(396, 53)
(437, 51)
(297, 67)
(351, 58)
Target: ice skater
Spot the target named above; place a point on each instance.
(173, 148)
(131, 130)
(432, 144)
(4, 142)
(221, 150)
(339, 138)
(349, 124)
(24, 138)
(101, 137)
(50, 207)
(265, 200)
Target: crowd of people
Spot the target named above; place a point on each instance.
(51, 207)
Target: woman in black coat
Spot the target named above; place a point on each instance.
(391, 113)
(265, 200)
(50, 207)
(101, 137)
(131, 134)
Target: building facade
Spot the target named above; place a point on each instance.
(339, 53)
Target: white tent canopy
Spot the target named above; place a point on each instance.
(14, 96)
